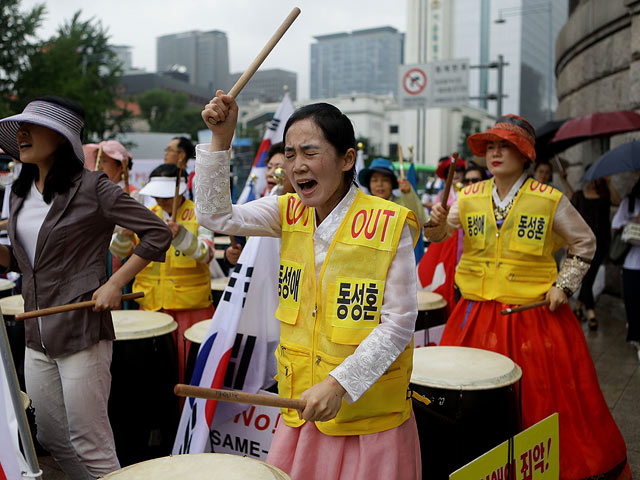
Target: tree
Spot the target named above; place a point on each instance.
(17, 43)
(170, 112)
(78, 64)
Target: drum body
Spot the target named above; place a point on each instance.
(143, 409)
(474, 405)
(201, 466)
(194, 334)
(432, 312)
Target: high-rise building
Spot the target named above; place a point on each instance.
(203, 56)
(524, 32)
(124, 55)
(363, 61)
(267, 85)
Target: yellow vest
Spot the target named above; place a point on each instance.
(323, 324)
(180, 283)
(513, 264)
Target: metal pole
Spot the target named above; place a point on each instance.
(500, 73)
(18, 409)
(550, 86)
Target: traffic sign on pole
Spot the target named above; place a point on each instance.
(414, 86)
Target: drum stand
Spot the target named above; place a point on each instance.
(18, 409)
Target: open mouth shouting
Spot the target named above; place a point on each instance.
(307, 187)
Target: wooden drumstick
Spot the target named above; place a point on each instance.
(266, 50)
(69, 307)
(522, 308)
(449, 181)
(238, 397)
(176, 195)
(98, 156)
(401, 161)
(125, 174)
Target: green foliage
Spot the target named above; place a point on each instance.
(17, 43)
(170, 112)
(78, 64)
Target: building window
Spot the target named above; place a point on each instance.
(393, 150)
(393, 128)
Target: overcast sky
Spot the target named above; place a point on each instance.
(247, 23)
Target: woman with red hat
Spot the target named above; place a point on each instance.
(512, 225)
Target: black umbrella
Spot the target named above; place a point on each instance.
(544, 134)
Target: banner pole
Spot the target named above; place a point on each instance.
(16, 400)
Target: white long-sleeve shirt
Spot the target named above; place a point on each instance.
(261, 217)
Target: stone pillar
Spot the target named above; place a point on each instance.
(634, 60)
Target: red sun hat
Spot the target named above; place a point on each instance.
(513, 129)
(443, 166)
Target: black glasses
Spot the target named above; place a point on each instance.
(471, 180)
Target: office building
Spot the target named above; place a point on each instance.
(267, 86)
(363, 61)
(524, 32)
(202, 56)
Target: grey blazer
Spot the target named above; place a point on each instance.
(70, 259)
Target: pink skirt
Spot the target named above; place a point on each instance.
(305, 453)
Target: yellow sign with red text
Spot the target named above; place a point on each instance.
(535, 457)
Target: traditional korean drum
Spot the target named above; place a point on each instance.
(6, 287)
(474, 405)
(11, 306)
(194, 334)
(432, 311)
(143, 409)
(200, 466)
(26, 401)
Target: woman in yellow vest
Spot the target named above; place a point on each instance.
(181, 286)
(346, 290)
(512, 225)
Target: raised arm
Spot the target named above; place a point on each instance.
(211, 184)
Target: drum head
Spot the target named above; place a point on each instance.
(200, 466)
(219, 283)
(6, 284)
(430, 301)
(12, 305)
(197, 331)
(462, 368)
(137, 324)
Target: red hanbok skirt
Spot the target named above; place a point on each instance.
(558, 376)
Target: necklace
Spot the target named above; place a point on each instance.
(502, 212)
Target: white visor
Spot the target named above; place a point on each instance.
(163, 187)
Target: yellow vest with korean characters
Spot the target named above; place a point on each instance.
(180, 283)
(323, 322)
(513, 264)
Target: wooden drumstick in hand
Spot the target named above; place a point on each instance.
(266, 50)
(527, 306)
(69, 307)
(449, 181)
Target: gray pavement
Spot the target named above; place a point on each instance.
(618, 371)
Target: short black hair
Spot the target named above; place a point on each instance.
(186, 146)
(275, 149)
(476, 168)
(65, 166)
(539, 163)
(335, 126)
(167, 170)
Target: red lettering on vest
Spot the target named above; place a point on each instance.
(467, 190)
(371, 233)
(475, 187)
(355, 223)
(388, 214)
(540, 187)
(187, 214)
(294, 212)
